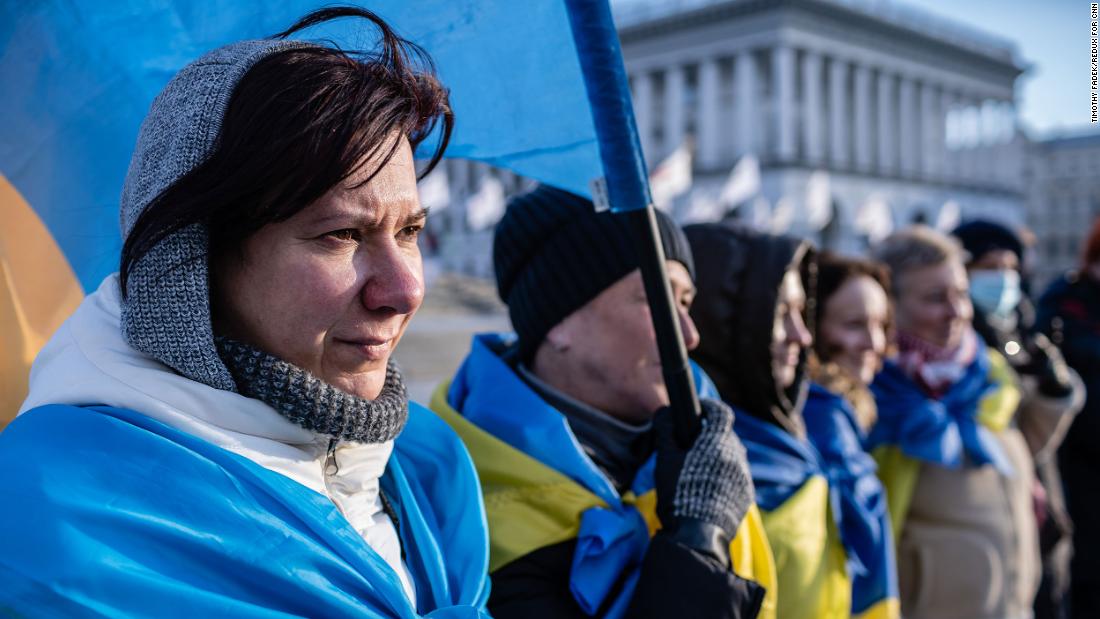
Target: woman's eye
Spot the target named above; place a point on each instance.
(346, 234)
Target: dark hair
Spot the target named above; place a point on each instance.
(832, 272)
(298, 123)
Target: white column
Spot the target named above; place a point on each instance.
(908, 126)
(783, 92)
(887, 147)
(949, 164)
(838, 113)
(674, 108)
(813, 145)
(862, 131)
(931, 131)
(745, 94)
(643, 112)
(707, 122)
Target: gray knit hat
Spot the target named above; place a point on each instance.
(166, 312)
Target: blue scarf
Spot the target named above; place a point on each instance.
(856, 496)
(107, 512)
(612, 541)
(939, 431)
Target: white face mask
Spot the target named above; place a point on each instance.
(996, 292)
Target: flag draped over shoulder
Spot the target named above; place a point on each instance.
(79, 77)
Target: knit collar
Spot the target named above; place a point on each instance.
(314, 404)
(935, 368)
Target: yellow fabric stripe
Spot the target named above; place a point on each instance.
(998, 407)
(530, 505)
(38, 291)
(898, 473)
(889, 608)
(809, 558)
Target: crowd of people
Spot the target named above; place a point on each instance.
(219, 429)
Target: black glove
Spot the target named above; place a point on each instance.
(1049, 367)
(702, 492)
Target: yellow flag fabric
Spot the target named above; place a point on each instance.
(530, 505)
(38, 291)
(809, 558)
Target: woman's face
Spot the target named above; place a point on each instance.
(853, 327)
(933, 303)
(789, 332)
(332, 289)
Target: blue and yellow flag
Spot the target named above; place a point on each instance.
(79, 77)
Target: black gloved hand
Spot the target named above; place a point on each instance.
(1049, 367)
(702, 492)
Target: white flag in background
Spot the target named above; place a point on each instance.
(742, 184)
(875, 219)
(819, 200)
(435, 189)
(486, 205)
(949, 216)
(671, 177)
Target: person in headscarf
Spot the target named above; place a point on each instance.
(1051, 392)
(754, 294)
(851, 334)
(219, 429)
(594, 507)
(957, 470)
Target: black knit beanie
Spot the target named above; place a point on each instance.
(553, 253)
(982, 236)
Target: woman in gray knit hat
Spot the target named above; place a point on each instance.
(219, 429)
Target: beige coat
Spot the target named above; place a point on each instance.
(969, 548)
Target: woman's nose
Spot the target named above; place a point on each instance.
(394, 282)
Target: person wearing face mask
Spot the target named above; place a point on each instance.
(593, 508)
(957, 470)
(1069, 313)
(852, 323)
(1051, 392)
(754, 343)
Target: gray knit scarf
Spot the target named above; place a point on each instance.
(314, 404)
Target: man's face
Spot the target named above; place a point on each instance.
(605, 353)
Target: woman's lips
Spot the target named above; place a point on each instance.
(371, 349)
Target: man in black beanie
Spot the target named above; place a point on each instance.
(578, 466)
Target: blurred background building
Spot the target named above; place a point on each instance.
(1063, 199)
(838, 120)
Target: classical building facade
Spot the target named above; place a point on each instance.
(895, 106)
(1063, 201)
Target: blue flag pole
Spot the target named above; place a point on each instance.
(627, 183)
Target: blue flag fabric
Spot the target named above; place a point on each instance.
(857, 498)
(107, 512)
(79, 77)
(937, 431)
(611, 541)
